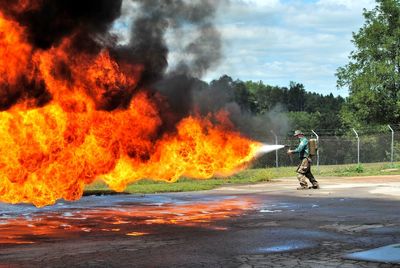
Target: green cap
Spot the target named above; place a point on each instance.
(298, 132)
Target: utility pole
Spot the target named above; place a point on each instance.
(392, 146)
(316, 135)
(276, 151)
(358, 146)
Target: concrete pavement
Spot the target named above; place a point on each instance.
(261, 225)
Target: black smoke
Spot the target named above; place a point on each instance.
(159, 30)
(87, 24)
(153, 20)
(48, 21)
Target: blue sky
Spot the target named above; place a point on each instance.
(278, 41)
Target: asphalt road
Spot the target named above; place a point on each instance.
(262, 225)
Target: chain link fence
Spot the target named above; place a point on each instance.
(339, 148)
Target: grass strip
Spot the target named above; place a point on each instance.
(248, 176)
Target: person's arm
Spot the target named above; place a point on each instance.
(299, 148)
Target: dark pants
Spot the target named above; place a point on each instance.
(304, 171)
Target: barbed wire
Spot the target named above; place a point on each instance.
(365, 130)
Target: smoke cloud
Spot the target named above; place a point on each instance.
(48, 21)
(84, 104)
(158, 31)
(190, 25)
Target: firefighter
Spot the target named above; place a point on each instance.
(304, 168)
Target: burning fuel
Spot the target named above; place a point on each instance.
(76, 107)
(128, 216)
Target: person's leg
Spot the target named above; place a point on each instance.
(301, 170)
(311, 177)
(302, 181)
(313, 181)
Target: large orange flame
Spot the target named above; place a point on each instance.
(50, 152)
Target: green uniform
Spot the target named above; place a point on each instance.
(302, 149)
(304, 168)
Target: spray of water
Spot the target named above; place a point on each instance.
(268, 148)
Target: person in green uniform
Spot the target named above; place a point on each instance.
(304, 168)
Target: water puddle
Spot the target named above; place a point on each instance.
(270, 211)
(287, 246)
(387, 254)
(277, 208)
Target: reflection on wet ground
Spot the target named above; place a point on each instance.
(387, 254)
(115, 215)
(287, 246)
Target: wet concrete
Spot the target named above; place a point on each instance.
(263, 225)
(120, 215)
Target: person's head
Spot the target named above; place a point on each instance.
(298, 134)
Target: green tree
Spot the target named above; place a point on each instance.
(243, 96)
(373, 73)
(296, 96)
(304, 120)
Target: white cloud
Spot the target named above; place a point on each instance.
(348, 4)
(262, 3)
(279, 41)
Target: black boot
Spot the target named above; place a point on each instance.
(315, 186)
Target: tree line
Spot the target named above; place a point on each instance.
(372, 77)
(304, 110)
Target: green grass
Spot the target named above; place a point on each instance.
(247, 177)
(186, 184)
(371, 169)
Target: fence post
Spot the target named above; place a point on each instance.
(358, 146)
(316, 135)
(276, 151)
(392, 146)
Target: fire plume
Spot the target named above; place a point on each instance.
(62, 126)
